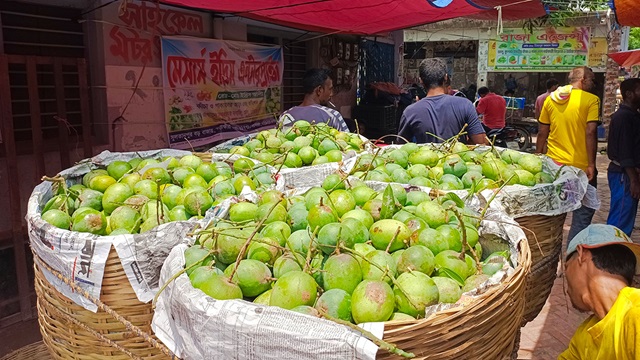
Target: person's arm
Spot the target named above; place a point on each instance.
(544, 127)
(634, 183)
(538, 108)
(541, 139)
(593, 118)
(623, 138)
(404, 129)
(474, 127)
(592, 148)
(479, 139)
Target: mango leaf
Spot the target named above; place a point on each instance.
(388, 208)
(455, 198)
(453, 275)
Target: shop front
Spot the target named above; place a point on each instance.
(515, 61)
(519, 63)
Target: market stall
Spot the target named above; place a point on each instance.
(251, 213)
(101, 279)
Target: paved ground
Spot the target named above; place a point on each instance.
(549, 334)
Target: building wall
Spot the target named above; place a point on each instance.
(126, 67)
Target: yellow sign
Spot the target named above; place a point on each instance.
(598, 52)
(492, 54)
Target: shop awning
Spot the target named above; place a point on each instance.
(626, 59)
(627, 12)
(367, 17)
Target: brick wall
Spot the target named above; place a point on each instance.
(612, 83)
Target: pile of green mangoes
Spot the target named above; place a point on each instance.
(352, 254)
(135, 196)
(456, 168)
(300, 145)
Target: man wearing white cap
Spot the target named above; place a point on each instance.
(601, 262)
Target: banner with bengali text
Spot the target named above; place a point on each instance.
(548, 49)
(216, 90)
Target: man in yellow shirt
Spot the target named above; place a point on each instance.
(567, 132)
(601, 263)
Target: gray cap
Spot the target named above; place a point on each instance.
(598, 235)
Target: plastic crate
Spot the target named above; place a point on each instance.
(514, 102)
(377, 117)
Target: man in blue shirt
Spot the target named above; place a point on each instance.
(439, 116)
(318, 89)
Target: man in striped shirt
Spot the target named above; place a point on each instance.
(318, 88)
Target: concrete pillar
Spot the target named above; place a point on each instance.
(483, 59)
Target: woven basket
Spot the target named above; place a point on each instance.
(67, 340)
(35, 351)
(487, 328)
(544, 234)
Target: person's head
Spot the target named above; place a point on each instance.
(630, 91)
(318, 85)
(433, 73)
(599, 251)
(582, 78)
(473, 87)
(552, 84)
(509, 93)
(483, 91)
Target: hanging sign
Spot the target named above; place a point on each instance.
(216, 90)
(550, 49)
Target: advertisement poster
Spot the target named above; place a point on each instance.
(550, 49)
(598, 53)
(216, 90)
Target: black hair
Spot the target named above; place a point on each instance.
(629, 85)
(433, 73)
(615, 259)
(551, 83)
(509, 93)
(483, 91)
(314, 78)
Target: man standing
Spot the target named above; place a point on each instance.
(568, 133)
(552, 85)
(623, 149)
(439, 116)
(493, 109)
(601, 262)
(318, 90)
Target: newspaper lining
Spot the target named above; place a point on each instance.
(195, 326)
(81, 257)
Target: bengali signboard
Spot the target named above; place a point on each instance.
(550, 49)
(216, 90)
(598, 49)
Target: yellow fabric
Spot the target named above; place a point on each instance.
(616, 336)
(568, 120)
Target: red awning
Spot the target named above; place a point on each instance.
(626, 59)
(365, 16)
